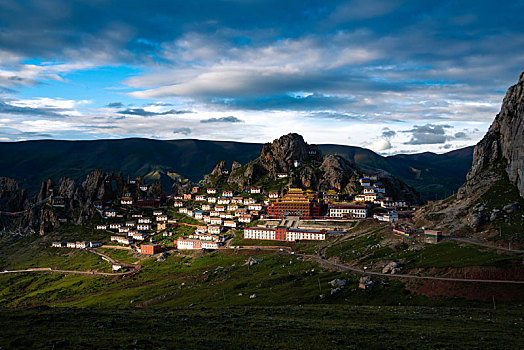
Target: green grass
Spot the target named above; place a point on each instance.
(449, 254)
(299, 327)
(30, 252)
(122, 255)
(352, 249)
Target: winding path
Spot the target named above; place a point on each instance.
(471, 241)
(365, 272)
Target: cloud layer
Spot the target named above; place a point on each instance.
(399, 75)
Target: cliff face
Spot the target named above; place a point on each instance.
(504, 141)
(494, 187)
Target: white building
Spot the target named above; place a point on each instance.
(387, 217)
(344, 210)
(121, 240)
(126, 201)
(110, 213)
(283, 234)
(223, 200)
(144, 227)
(248, 201)
(101, 227)
(213, 229)
(211, 199)
(144, 220)
(81, 245)
(216, 221)
(245, 218)
(230, 223)
(255, 206)
(232, 207)
(211, 191)
(178, 204)
(191, 244)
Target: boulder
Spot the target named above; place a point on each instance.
(338, 283)
(512, 207)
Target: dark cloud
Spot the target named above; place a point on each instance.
(461, 135)
(115, 105)
(142, 112)
(183, 131)
(6, 108)
(428, 134)
(229, 119)
(387, 133)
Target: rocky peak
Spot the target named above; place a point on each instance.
(220, 169)
(504, 141)
(236, 165)
(280, 155)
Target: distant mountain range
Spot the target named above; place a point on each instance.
(31, 162)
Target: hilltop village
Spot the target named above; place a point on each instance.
(212, 217)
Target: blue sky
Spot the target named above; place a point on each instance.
(394, 76)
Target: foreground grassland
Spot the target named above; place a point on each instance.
(297, 327)
(216, 300)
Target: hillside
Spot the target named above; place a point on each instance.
(36, 161)
(433, 175)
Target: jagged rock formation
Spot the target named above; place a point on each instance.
(280, 155)
(12, 198)
(304, 166)
(496, 178)
(66, 201)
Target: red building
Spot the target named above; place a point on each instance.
(148, 203)
(150, 249)
(296, 203)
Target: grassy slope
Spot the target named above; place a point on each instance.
(212, 282)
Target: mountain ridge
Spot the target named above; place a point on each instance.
(38, 160)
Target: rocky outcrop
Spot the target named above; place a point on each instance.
(339, 174)
(12, 198)
(280, 155)
(220, 169)
(504, 142)
(236, 165)
(304, 167)
(495, 180)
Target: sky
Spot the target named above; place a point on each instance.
(393, 76)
